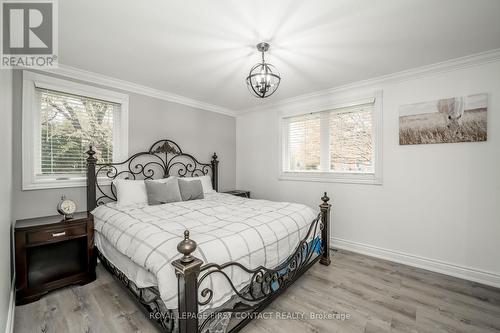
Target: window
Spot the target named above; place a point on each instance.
(60, 120)
(340, 144)
(303, 142)
(351, 147)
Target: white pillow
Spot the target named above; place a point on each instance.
(206, 183)
(129, 192)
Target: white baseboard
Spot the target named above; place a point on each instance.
(466, 273)
(9, 327)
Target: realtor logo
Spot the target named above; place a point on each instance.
(28, 34)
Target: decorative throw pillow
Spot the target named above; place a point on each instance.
(129, 192)
(206, 183)
(190, 189)
(162, 191)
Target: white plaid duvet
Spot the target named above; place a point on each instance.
(225, 227)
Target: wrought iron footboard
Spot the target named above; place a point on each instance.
(265, 283)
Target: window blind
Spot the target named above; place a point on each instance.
(67, 125)
(303, 142)
(351, 146)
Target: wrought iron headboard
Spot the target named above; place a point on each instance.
(164, 157)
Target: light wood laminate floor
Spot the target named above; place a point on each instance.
(379, 296)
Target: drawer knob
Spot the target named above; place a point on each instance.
(59, 234)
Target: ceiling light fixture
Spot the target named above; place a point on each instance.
(263, 79)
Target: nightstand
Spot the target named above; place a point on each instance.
(52, 253)
(239, 193)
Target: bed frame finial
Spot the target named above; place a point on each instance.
(91, 152)
(325, 198)
(186, 247)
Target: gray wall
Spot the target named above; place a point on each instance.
(198, 132)
(5, 193)
(438, 207)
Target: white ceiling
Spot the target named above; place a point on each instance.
(203, 49)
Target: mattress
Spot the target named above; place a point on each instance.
(135, 273)
(142, 239)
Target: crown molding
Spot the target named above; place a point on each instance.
(87, 76)
(414, 73)
(440, 67)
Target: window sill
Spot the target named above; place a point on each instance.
(48, 184)
(330, 177)
(55, 184)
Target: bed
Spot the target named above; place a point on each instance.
(200, 265)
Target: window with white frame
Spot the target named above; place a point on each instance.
(340, 144)
(60, 120)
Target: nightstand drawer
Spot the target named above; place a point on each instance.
(42, 236)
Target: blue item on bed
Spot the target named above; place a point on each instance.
(314, 245)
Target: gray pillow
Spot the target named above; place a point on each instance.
(190, 189)
(161, 192)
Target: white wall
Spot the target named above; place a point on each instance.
(5, 194)
(439, 205)
(198, 132)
